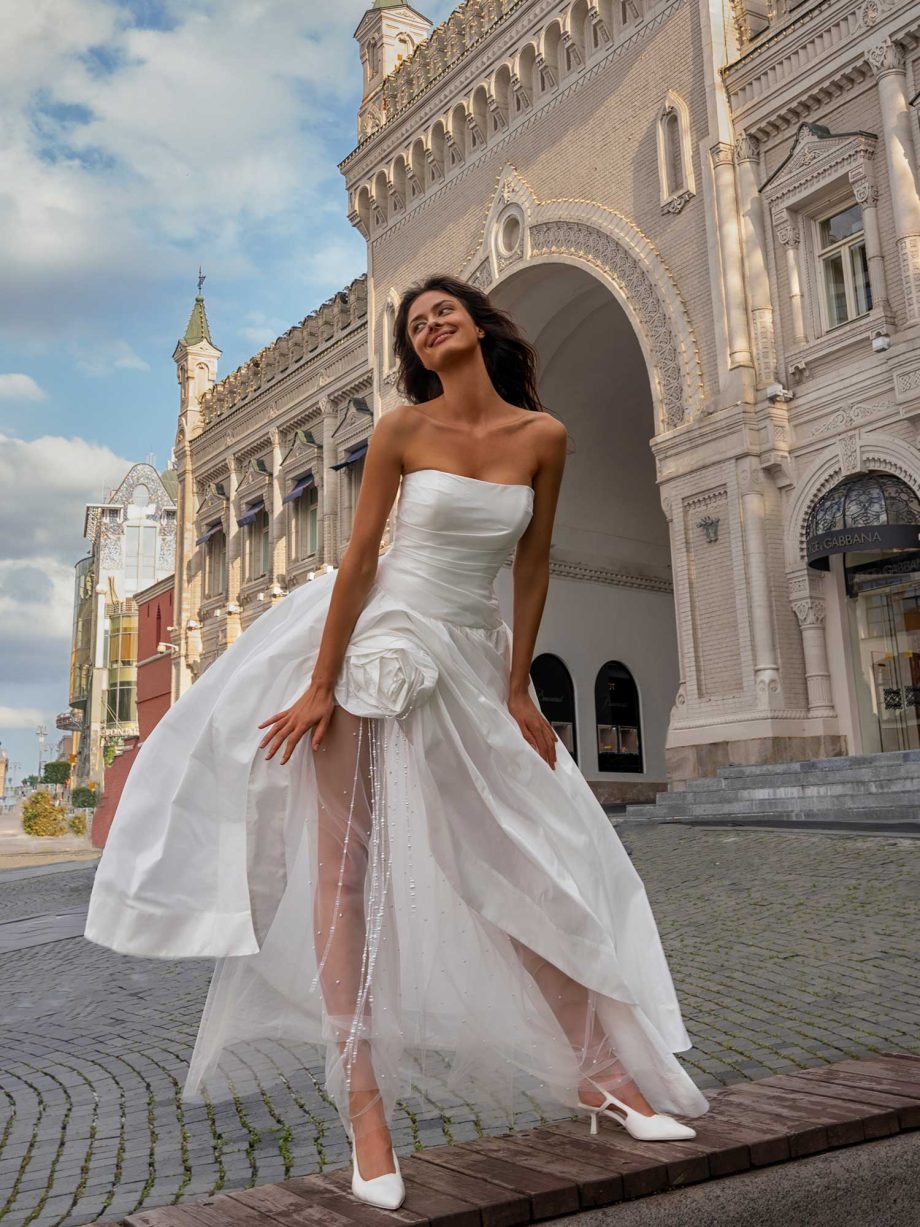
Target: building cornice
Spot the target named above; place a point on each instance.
(438, 98)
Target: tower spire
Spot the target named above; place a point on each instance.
(198, 330)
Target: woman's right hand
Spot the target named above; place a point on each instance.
(314, 708)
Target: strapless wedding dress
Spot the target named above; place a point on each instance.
(423, 895)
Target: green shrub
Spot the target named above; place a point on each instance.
(84, 798)
(41, 816)
(57, 772)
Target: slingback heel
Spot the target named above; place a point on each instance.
(657, 1128)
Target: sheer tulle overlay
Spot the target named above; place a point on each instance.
(422, 895)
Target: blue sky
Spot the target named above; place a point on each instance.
(139, 139)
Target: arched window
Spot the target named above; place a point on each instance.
(619, 731)
(553, 684)
(673, 160)
(373, 58)
(675, 167)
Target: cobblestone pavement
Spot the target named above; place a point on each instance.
(788, 949)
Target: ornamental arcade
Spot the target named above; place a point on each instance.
(710, 229)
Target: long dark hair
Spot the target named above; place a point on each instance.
(509, 357)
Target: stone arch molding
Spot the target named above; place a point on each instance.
(853, 453)
(610, 246)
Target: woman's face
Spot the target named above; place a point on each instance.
(441, 329)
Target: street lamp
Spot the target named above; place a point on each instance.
(41, 732)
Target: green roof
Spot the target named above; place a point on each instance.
(198, 329)
(389, 4)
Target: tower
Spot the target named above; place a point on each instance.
(387, 34)
(196, 359)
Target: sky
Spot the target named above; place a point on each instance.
(139, 140)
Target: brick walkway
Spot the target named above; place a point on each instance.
(788, 950)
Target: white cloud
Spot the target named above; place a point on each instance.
(19, 717)
(45, 484)
(107, 358)
(123, 149)
(20, 387)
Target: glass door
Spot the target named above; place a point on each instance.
(887, 614)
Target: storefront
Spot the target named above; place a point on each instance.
(866, 530)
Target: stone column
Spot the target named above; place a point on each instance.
(234, 557)
(787, 231)
(810, 613)
(328, 510)
(886, 60)
(733, 286)
(752, 234)
(680, 698)
(184, 607)
(277, 510)
(866, 194)
(753, 520)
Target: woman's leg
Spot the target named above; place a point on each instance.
(575, 1010)
(345, 818)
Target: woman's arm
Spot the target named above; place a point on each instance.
(531, 581)
(356, 571)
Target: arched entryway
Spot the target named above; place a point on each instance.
(610, 596)
(866, 531)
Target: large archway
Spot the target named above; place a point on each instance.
(611, 595)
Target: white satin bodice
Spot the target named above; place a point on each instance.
(452, 535)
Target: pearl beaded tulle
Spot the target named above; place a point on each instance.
(423, 896)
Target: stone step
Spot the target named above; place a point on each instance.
(846, 792)
(824, 764)
(787, 807)
(781, 777)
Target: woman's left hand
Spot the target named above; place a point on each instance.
(537, 730)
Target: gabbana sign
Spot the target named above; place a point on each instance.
(852, 540)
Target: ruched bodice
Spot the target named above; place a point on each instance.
(452, 535)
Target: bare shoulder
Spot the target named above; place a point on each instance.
(551, 435)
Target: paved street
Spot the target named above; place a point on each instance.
(788, 949)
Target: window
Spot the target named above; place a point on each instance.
(140, 556)
(120, 706)
(257, 545)
(843, 266)
(215, 563)
(306, 523)
(675, 174)
(121, 640)
(616, 705)
(553, 684)
(373, 58)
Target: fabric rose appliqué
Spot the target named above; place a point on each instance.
(385, 676)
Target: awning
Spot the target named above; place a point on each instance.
(353, 454)
(869, 513)
(252, 513)
(209, 532)
(301, 484)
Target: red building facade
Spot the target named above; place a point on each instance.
(154, 689)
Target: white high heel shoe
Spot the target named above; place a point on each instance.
(657, 1128)
(386, 1192)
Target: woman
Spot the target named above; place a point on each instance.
(408, 864)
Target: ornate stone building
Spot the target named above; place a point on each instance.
(707, 219)
(132, 544)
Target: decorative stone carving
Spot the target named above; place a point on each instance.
(849, 452)
(885, 56)
(601, 249)
(710, 526)
(854, 413)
